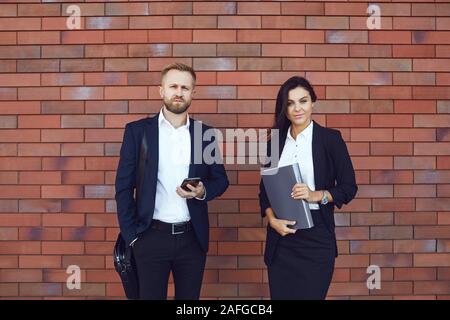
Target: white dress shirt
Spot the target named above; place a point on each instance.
(300, 150)
(173, 168)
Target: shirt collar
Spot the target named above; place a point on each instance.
(163, 120)
(307, 132)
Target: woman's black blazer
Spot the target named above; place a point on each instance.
(333, 171)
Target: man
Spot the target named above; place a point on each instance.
(167, 226)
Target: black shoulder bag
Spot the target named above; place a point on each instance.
(124, 262)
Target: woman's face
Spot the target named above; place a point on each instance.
(299, 107)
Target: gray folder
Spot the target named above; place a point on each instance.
(278, 183)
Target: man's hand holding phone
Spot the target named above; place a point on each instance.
(191, 188)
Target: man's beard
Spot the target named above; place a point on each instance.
(176, 107)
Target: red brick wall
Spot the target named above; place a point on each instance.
(65, 96)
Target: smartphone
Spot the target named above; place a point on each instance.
(192, 181)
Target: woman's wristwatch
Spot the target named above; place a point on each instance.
(324, 200)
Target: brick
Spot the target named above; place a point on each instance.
(38, 37)
(62, 107)
(371, 246)
(432, 259)
(107, 78)
(62, 220)
(370, 78)
(353, 121)
(390, 37)
(283, 50)
(160, 22)
(81, 93)
(431, 121)
(327, 22)
(258, 36)
(415, 106)
(281, 22)
(414, 23)
(47, 65)
(16, 24)
(126, 36)
(392, 260)
(87, 9)
(372, 219)
(21, 275)
(39, 149)
(326, 50)
(82, 149)
(390, 121)
(107, 50)
(247, 248)
(239, 22)
(83, 233)
(390, 92)
(62, 51)
(20, 247)
(216, 36)
(194, 50)
(76, 65)
(82, 37)
(413, 51)
(430, 37)
(265, 8)
(129, 92)
(214, 64)
(414, 273)
(19, 52)
(8, 38)
(62, 247)
(391, 232)
(126, 64)
(436, 148)
(170, 36)
(149, 50)
(404, 204)
(390, 65)
(259, 64)
(40, 177)
(62, 79)
(346, 36)
(414, 163)
(81, 177)
(431, 176)
(38, 233)
(238, 78)
(346, 92)
(370, 50)
(106, 23)
(337, 64)
(126, 9)
(100, 107)
(195, 22)
(214, 8)
(352, 233)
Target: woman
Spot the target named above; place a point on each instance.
(300, 263)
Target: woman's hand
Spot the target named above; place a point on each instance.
(301, 191)
(281, 226)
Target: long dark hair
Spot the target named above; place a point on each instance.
(282, 123)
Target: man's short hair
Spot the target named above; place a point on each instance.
(179, 67)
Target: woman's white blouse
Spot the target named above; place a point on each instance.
(300, 150)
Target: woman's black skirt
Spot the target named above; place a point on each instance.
(303, 263)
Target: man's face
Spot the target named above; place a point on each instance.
(177, 90)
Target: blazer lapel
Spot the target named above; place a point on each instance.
(152, 131)
(317, 156)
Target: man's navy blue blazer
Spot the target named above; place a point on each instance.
(333, 171)
(135, 215)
